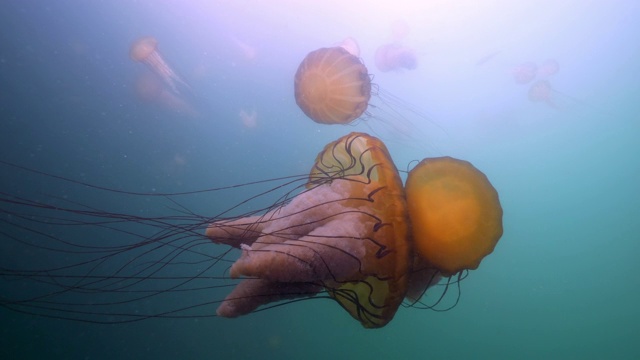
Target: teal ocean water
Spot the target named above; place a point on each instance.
(541, 96)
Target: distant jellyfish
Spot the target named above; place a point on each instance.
(395, 56)
(248, 118)
(548, 67)
(524, 73)
(541, 91)
(333, 86)
(145, 50)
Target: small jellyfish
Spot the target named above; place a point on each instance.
(145, 50)
(549, 67)
(541, 91)
(249, 118)
(395, 56)
(524, 73)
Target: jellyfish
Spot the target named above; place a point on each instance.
(541, 91)
(347, 233)
(249, 118)
(548, 68)
(524, 73)
(332, 86)
(145, 50)
(455, 213)
(395, 56)
(344, 232)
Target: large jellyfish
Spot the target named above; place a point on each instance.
(145, 50)
(349, 234)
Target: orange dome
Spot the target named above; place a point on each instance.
(332, 86)
(455, 213)
(142, 48)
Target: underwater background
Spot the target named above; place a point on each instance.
(561, 283)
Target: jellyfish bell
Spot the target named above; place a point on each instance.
(455, 213)
(145, 50)
(346, 234)
(395, 57)
(332, 86)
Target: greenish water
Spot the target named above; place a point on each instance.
(561, 283)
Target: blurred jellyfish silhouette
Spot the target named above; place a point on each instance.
(395, 56)
(548, 68)
(249, 119)
(151, 89)
(541, 91)
(145, 50)
(524, 73)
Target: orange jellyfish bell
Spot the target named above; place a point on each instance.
(346, 233)
(364, 162)
(332, 86)
(455, 213)
(143, 48)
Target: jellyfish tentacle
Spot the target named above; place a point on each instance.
(252, 293)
